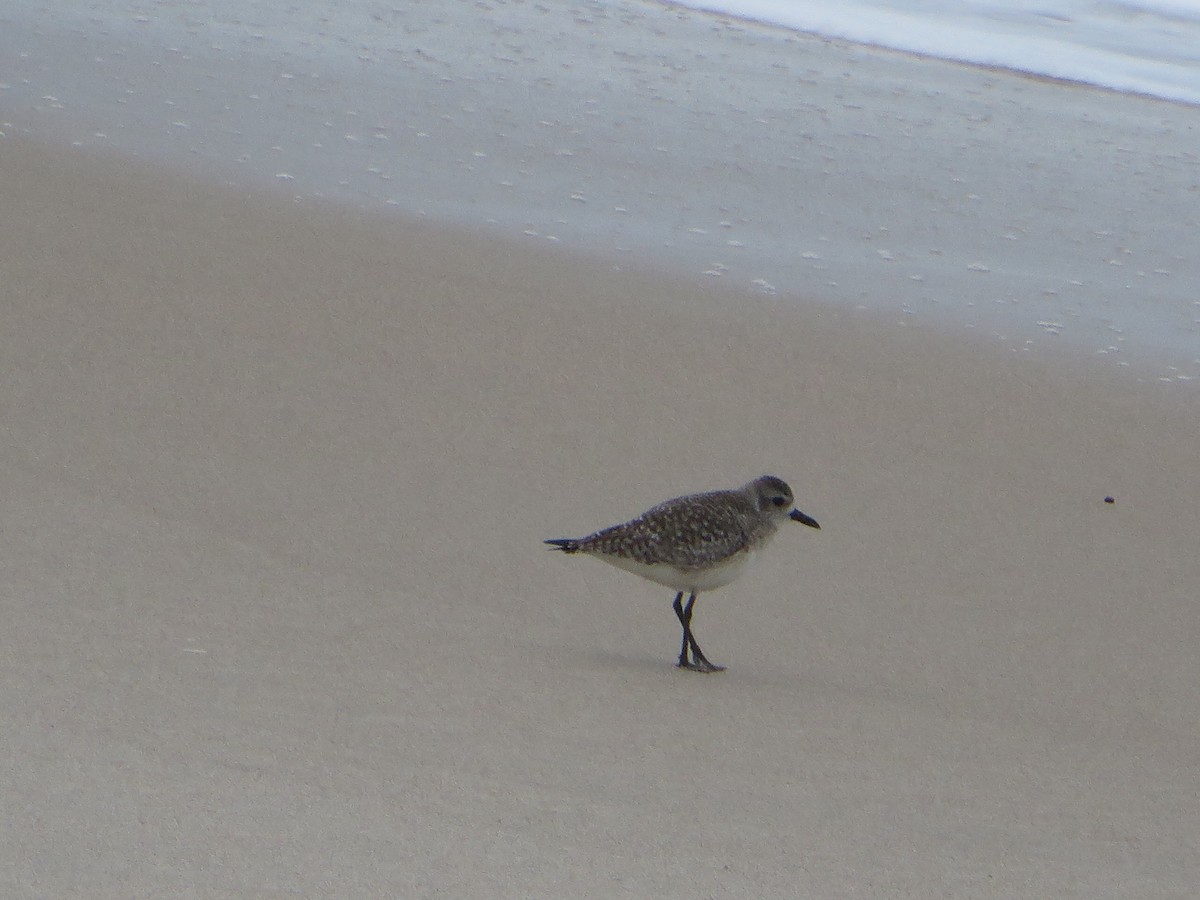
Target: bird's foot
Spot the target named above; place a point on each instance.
(700, 665)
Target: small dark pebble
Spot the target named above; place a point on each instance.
(1109, 500)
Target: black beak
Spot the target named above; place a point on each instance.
(796, 516)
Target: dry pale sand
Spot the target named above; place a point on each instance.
(279, 622)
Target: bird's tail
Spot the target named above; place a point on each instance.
(566, 545)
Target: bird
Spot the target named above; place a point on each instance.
(694, 543)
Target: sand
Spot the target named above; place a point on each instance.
(279, 622)
(1038, 214)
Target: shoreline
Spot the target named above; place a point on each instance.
(1001, 68)
(1064, 358)
(1034, 213)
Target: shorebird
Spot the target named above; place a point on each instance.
(695, 543)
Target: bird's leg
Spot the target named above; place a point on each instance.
(683, 651)
(699, 661)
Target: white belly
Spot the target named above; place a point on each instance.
(686, 580)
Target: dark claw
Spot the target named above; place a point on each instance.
(702, 665)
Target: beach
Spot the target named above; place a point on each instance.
(1045, 216)
(280, 622)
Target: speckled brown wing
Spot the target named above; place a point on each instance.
(688, 532)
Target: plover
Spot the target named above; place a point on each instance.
(695, 543)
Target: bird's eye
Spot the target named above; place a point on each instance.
(778, 501)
